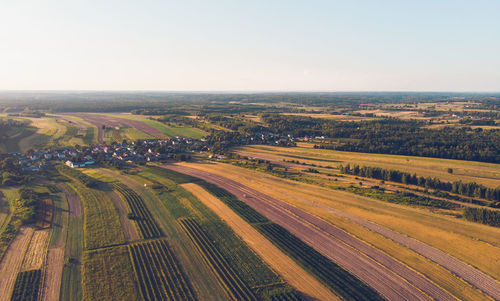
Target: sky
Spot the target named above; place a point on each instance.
(250, 45)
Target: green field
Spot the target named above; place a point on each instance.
(107, 274)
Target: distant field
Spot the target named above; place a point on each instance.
(487, 174)
(171, 131)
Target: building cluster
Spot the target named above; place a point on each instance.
(140, 151)
(146, 151)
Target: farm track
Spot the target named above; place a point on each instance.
(291, 272)
(12, 261)
(75, 207)
(364, 261)
(100, 120)
(129, 230)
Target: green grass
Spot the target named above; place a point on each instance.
(108, 274)
(101, 222)
(135, 134)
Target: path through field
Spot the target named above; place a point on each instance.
(12, 261)
(389, 277)
(286, 267)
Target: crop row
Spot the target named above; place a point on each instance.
(159, 273)
(227, 275)
(140, 213)
(27, 285)
(245, 211)
(338, 279)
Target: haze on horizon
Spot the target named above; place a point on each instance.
(250, 45)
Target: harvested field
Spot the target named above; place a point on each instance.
(292, 273)
(53, 274)
(35, 254)
(448, 231)
(111, 121)
(487, 174)
(12, 261)
(362, 260)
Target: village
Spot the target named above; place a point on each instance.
(139, 151)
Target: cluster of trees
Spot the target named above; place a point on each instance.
(394, 136)
(7, 125)
(483, 216)
(27, 204)
(470, 189)
(10, 173)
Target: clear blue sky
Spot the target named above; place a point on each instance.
(250, 45)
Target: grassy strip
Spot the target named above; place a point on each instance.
(234, 284)
(403, 198)
(108, 274)
(101, 223)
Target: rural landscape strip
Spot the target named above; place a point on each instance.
(100, 120)
(468, 273)
(275, 258)
(399, 280)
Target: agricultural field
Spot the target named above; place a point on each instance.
(160, 275)
(487, 174)
(27, 286)
(107, 274)
(458, 238)
(277, 260)
(138, 212)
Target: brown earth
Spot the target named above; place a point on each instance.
(286, 267)
(75, 207)
(389, 277)
(12, 261)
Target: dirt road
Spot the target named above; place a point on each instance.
(389, 277)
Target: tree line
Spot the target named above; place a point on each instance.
(470, 189)
(483, 216)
